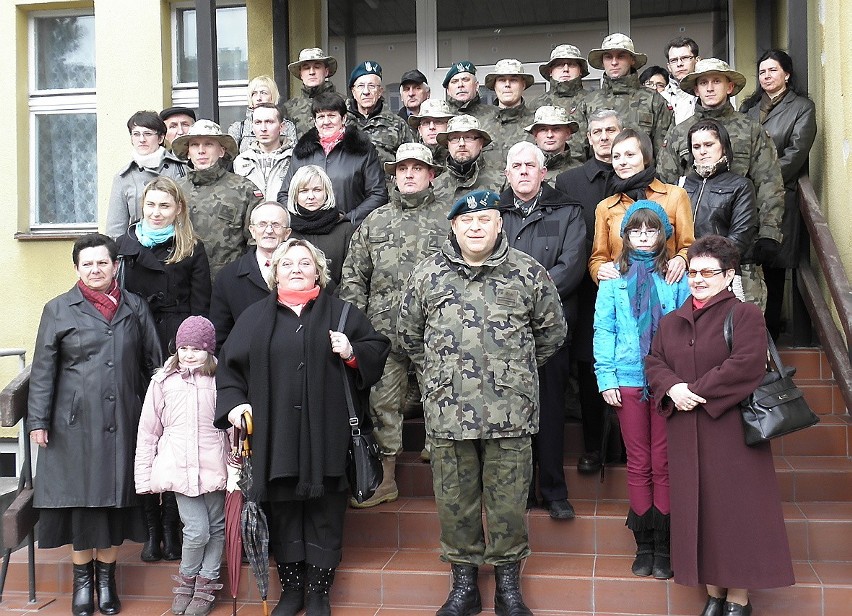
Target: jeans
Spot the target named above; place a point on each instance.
(203, 520)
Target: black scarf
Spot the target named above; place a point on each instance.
(463, 170)
(318, 222)
(634, 186)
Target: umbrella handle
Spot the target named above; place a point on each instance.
(247, 429)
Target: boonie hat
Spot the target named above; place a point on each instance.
(462, 124)
(475, 201)
(413, 151)
(168, 112)
(564, 52)
(205, 128)
(198, 332)
(412, 76)
(548, 115)
(712, 65)
(367, 67)
(431, 108)
(616, 42)
(506, 67)
(312, 54)
(464, 66)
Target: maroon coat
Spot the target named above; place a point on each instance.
(727, 527)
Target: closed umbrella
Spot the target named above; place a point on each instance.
(233, 517)
(255, 530)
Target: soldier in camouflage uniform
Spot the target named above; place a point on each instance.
(755, 157)
(463, 91)
(314, 69)
(637, 106)
(552, 131)
(431, 120)
(382, 253)
(367, 110)
(478, 319)
(468, 169)
(565, 73)
(219, 202)
(506, 122)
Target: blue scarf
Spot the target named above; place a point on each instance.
(644, 301)
(149, 237)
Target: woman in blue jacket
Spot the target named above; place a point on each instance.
(627, 312)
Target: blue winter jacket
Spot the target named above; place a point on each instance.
(618, 362)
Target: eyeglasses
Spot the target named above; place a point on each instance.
(705, 273)
(367, 86)
(681, 60)
(303, 265)
(656, 85)
(276, 226)
(635, 234)
(140, 134)
(463, 138)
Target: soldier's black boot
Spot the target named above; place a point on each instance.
(292, 589)
(151, 548)
(172, 533)
(643, 531)
(464, 598)
(108, 601)
(83, 593)
(507, 597)
(319, 581)
(662, 569)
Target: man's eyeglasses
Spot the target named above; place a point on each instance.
(705, 273)
(681, 60)
(367, 86)
(276, 226)
(462, 138)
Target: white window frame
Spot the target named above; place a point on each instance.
(53, 102)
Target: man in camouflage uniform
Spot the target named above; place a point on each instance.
(755, 157)
(637, 106)
(382, 253)
(478, 319)
(314, 69)
(467, 168)
(552, 131)
(565, 73)
(431, 120)
(219, 202)
(507, 121)
(463, 91)
(386, 130)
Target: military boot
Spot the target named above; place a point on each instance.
(464, 598)
(387, 491)
(292, 600)
(507, 596)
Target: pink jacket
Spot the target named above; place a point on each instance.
(177, 447)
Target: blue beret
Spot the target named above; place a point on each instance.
(647, 204)
(368, 67)
(475, 201)
(465, 66)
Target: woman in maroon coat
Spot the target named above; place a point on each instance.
(727, 527)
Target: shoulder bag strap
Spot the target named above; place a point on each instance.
(354, 424)
(728, 331)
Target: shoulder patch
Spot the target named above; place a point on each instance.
(665, 142)
(258, 193)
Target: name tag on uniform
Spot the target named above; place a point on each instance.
(508, 297)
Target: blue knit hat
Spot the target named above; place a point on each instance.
(647, 204)
(475, 201)
(368, 67)
(465, 66)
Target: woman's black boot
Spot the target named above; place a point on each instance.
(83, 593)
(714, 606)
(292, 589)
(319, 581)
(171, 527)
(643, 531)
(108, 601)
(662, 569)
(735, 609)
(151, 548)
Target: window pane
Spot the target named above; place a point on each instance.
(67, 169)
(232, 45)
(65, 52)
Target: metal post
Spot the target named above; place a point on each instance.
(208, 61)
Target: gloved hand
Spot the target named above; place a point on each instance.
(765, 250)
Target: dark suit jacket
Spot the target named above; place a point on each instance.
(237, 286)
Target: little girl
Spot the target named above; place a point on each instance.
(627, 312)
(178, 449)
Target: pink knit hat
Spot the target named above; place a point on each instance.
(196, 332)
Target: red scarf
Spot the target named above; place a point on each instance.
(329, 142)
(105, 302)
(297, 298)
(698, 304)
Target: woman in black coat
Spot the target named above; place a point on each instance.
(96, 349)
(163, 262)
(345, 154)
(286, 363)
(789, 116)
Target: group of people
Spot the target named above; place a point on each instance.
(487, 253)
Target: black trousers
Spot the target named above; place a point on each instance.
(549, 443)
(775, 278)
(592, 406)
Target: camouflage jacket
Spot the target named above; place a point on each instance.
(477, 335)
(219, 204)
(440, 153)
(386, 130)
(755, 157)
(484, 174)
(474, 107)
(571, 96)
(506, 127)
(383, 252)
(636, 105)
(559, 162)
(298, 108)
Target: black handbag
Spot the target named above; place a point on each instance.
(364, 464)
(777, 407)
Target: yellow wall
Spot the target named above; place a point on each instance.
(259, 16)
(305, 31)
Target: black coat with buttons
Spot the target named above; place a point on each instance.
(173, 291)
(87, 385)
(554, 234)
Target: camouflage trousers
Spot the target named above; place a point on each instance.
(754, 287)
(386, 401)
(472, 475)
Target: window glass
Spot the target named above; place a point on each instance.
(64, 52)
(232, 44)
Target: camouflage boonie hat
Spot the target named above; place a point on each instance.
(413, 151)
(616, 42)
(712, 65)
(205, 128)
(507, 67)
(431, 108)
(475, 201)
(564, 52)
(462, 124)
(312, 54)
(465, 66)
(547, 115)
